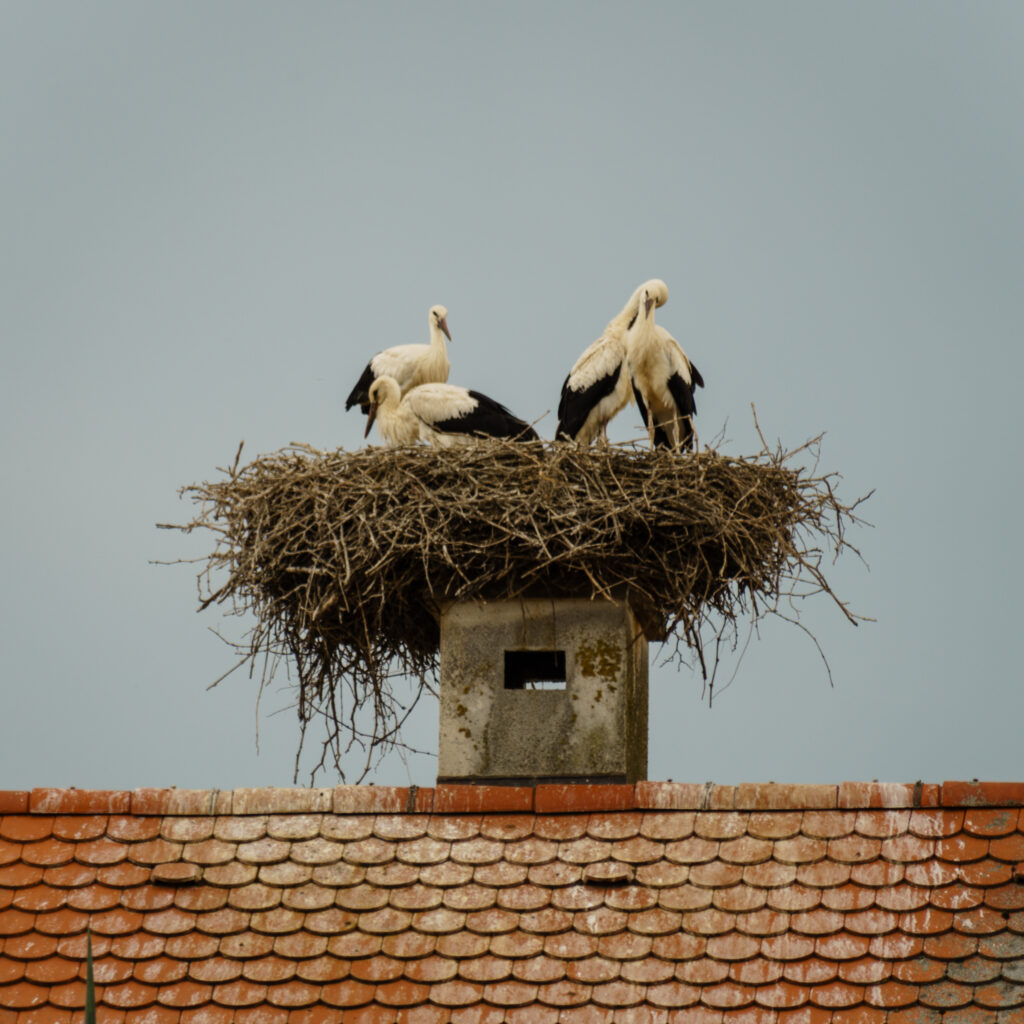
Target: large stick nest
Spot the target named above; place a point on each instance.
(344, 557)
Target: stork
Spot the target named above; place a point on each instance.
(451, 415)
(409, 365)
(395, 422)
(663, 378)
(445, 414)
(597, 387)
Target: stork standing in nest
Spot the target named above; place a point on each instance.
(598, 385)
(408, 365)
(444, 414)
(662, 375)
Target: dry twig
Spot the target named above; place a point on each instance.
(342, 557)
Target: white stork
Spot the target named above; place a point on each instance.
(445, 414)
(663, 378)
(394, 421)
(597, 387)
(409, 365)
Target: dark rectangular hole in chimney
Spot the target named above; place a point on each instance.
(535, 670)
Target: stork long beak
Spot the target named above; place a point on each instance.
(443, 324)
(648, 302)
(370, 417)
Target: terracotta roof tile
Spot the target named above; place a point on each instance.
(528, 897)
(70, 876)
(476, 851)
(432, 969)
(445, 921)
(851, 897)
(692, 850)
(425, 850)
(213, 971)
(264, 905)
(620, 826)
(451, 828)
(421, 897)
(246, 945)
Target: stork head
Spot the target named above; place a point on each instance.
(383, 391)
(650, 295)
(439, 319)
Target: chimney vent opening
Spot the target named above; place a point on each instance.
(535, 670)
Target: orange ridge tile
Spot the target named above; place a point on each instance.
(14, 801)
(982, 794)
(370, 800)
(166, 802)
(756, 796)
(274, 800)
(463, 799)
(879, 794)
(669, 796)
(555, 798)
(79, 801)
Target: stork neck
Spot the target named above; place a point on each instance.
(437, 338)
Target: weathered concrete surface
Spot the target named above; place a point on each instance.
(596, 728)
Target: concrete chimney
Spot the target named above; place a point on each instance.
(542, 690)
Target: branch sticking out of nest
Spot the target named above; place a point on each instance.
(343, 557)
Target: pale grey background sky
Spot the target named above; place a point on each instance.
(212, 214)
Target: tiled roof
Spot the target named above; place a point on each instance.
(656, 904)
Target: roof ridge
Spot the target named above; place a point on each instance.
(561, 798)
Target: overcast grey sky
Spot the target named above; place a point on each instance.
(212, 214)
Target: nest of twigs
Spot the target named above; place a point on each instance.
(343, 558)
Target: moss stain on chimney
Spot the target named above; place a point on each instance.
(601, 659)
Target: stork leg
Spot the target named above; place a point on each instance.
(649, 423)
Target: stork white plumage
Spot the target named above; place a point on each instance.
(598, 386)
(408, 365)
(397, 426)
(663, 377)
(451, 415)
(444, 414)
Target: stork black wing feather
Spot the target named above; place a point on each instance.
(640, 403)
(361, 392)
(575, 406)
(682, 395)
(489, 418)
